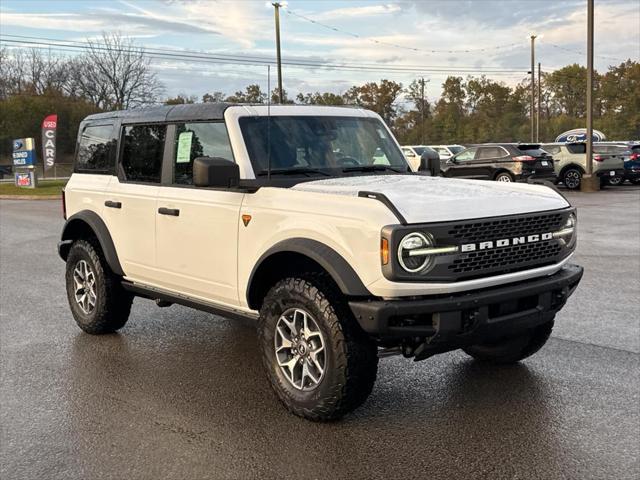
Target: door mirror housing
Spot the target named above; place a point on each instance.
(215, 172)
(430, 163)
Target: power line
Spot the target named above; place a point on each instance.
(69, 46)
(582, 53)
(395, 45)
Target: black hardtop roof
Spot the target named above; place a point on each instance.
(165, 113)
(182, 112)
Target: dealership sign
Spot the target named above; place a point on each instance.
(49, 125)
(580, 135)
(23, 152)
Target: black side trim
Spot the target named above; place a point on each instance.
(96, 224)
(381, 197)
(342, 273)
(157, 294)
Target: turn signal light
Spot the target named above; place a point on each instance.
(384, 251)
(598, 158)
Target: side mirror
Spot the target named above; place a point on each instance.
(430, 163)
(215, 172)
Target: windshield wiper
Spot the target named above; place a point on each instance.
(291, 171)
(371, 168)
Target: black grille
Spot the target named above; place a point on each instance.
(506, 259)
(506, 228)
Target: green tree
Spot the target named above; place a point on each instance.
(379, 97)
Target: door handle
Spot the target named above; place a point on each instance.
(174, 212)
(112, 204)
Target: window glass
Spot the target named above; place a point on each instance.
(442, 151)
(324, 143)
(195, 140)
(467, 155)
(96, 148)
(577, 147)
(552, 149)
(142, 152)
(455, 150)
(408, 152)
(490, 152)
(419, 150)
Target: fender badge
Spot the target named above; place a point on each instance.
(246, 219)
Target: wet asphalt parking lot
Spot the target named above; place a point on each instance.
(181, 394)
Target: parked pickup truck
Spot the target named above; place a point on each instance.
(308, 220)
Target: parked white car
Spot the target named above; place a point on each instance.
(287, 217)
(447, 151)
(413, 154)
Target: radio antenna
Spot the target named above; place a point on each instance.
(269, 123)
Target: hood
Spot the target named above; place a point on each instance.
(423, 199)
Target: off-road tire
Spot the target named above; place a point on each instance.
(572, 178)
(512, 350)
(504, 177)
(351, 356)
(113, 303)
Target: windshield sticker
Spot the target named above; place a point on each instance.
(184, 147)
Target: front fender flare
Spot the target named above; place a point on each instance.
(77, 224)
(336, 266)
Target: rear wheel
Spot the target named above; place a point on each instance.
(503, 177)
(513, 349)
(319, 362)
(98, 302)
(572, 178)
(615, 180)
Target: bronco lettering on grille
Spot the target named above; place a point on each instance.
(505, 242)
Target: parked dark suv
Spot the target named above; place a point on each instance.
(503, 162)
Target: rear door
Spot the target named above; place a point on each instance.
(197, 228)
(130, 203)
(489, 160)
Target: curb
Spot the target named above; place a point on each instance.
(30, 197)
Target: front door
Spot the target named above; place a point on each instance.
(197, 228)
(462, 165)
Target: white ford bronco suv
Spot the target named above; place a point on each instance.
(308, 220)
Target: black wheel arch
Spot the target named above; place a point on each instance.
(86, 224)
(300, 255)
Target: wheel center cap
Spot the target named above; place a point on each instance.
(302, 348)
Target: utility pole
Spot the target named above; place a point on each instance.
(539, 103)
(422, 110)
(277, 6)
(533, 84)
(589, 182)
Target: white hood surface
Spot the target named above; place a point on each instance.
(424, 199)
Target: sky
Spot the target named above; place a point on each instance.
(433, 38)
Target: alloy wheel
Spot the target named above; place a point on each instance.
(84, 281)
(572, 179)
(300, 349)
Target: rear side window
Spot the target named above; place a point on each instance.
(490, 152)
(142, 153)
(532, 150)
(96, 150)
(577, 147)
(195, 140)
(552, 149)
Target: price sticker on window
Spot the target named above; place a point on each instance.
(184, 147)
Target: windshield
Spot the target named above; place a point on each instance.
(419, 150)
(455, 150)
(325, 144)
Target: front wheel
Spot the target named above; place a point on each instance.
(319, 362)
(514, 349)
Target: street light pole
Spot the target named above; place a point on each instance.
(533, 85)
(277, 6)
(589, 182)
(422, 110)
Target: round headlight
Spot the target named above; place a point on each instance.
(571, 224)
(409, 254)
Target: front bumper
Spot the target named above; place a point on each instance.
(452, 321)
